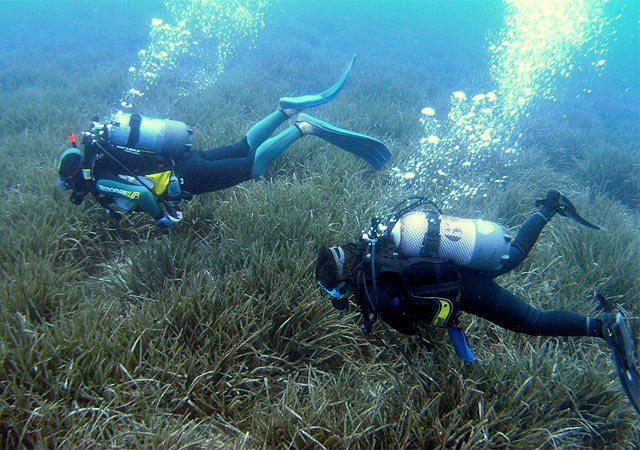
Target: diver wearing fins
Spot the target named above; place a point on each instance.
(137, 162)
(419, 268)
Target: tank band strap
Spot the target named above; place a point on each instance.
(431, 240)
(134, 135)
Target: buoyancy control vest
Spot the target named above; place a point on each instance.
(140, 148)
(406, 292)
(422, 251)
(409, 274)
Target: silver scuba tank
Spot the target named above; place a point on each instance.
(162, 136)
(472, 243)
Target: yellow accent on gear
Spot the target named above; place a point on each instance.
(160, 181)
(443, 314)
(132, 195)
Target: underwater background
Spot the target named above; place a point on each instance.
(213, 335)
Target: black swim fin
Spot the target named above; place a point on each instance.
(621, 341)
(604, 303)
(563, 206)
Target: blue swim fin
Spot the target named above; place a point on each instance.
(623, 347)
(460, 343)
(309, 101)
(371, 150)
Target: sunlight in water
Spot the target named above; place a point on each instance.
(194, 42)
(541, 41)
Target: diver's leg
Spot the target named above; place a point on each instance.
(215, 169)
(554, 203)
(482, 297)
(237, 150)
(261, 131)
(523, 242)
(528, 233)
(272, 148)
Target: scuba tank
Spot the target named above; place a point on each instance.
(165, 137)
(471, 243)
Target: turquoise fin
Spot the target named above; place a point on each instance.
(371, 150)
(309, 101)
(622, 344)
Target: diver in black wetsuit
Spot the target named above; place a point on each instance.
(419, 269)
(132, 161)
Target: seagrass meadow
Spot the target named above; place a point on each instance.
(213, 334)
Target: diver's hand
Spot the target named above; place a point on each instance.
(168, 220)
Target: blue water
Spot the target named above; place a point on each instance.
(446, 36)
(441, 46)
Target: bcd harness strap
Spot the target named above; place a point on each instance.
(431, 240)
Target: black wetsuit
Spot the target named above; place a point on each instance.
(198, 172)
(478, 294)
(483, 297)
(215, 169)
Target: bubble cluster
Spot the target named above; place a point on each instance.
(470, 140)
(193, 43)
(476, 142)
(544, 41)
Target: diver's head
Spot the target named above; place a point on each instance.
(333, 273)
(70, 173)
(69, 166)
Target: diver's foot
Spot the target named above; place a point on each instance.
(553, 203)
(289, 112)
(565, 207)
(293, 105)
(556, 203)
(371, 150)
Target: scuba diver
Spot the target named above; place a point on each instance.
(419, 269)
(137, 162)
